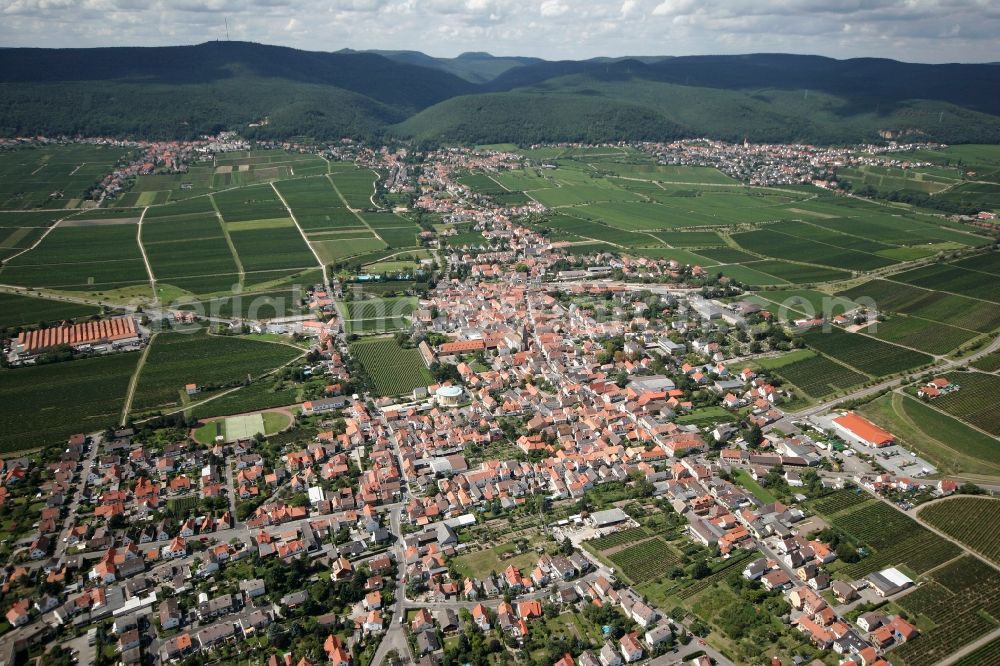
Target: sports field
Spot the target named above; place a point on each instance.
(244, 427)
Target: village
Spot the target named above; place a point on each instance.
(603, 448)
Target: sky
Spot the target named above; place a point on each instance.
(911, 30)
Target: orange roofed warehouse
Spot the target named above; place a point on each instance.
(862, 430)
(117, 331)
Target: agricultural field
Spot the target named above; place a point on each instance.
(19, 311)
(749, 275)
(645, 560)
(895, 539)
(958, 311)
(379, 308)
(818, 376)
(89, 258)
(807, 301)
(21, 230)
(391, 369)
(620, 538)
(798, 273)
(695, 239)
(227, 171)
(317, 206)
(774, 243)
(356, 187)
(45, 404)
(377, 326)
(927, 336)
(987, 655)
(987, 263)
(928, 180)
(954, 279)
(262, 394)
(726, 255)
(960, 602)
(975, 521)
(189, 253)
(952, 446)
(841, 501)
(976, 401)
(988, 363)
(53, 176)
(263, 304)
(867, 354)
(176, 359)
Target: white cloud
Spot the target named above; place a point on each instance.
(916, 30)
(550, 8)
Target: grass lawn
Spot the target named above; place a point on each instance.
(744, 479)
(275, 422)
(481, 563)
(706, 416)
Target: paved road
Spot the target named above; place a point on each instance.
(81, 483)
(395, 636)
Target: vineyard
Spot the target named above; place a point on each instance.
(895, 539)
(818, 376)
(616, 539)
(732, 565)
(963, 602)
(840, 501)
(645, 561)
(928, 336)
(988, 363)
(987, 655)
(391, 369)
(975, 402)
(975, 521)
(869, 355)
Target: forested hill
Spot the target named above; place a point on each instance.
(183, 91)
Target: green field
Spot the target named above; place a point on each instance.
(955, 279)
(760, 492)
(949, 444)
(867, 354)
(960, 603)
(892, 537)
(481, 563)
(958, 311)
(817, 375)
(988, 363)
(81, 258)
(262, 394)
(927, 336)
(974, 521)
(45, 404)
(17, 311)
(987, 655)
(391, 369)
(976, 402)
(212, 362)
(808, 301)
(30, 176)
(645, 560)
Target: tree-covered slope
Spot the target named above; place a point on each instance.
(184, 91)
